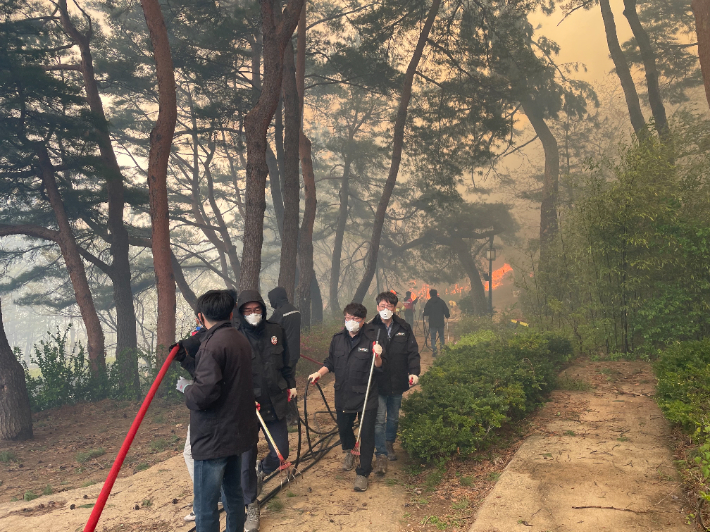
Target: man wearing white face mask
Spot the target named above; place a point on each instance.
(402, 371)
(274, 386)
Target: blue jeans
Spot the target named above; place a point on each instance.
(211, 476)
(434, 331)
(387, 421)
(279, 431)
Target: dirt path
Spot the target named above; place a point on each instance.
(599, 462)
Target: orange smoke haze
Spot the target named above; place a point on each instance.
(421, 290)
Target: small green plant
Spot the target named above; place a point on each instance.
(47, 490)
(89, 483)
(622, 438)
(460, 505)
(8, 456)
(275, 505)
(573, 385)
(391, 481)
(88, 505)
(159, 445)
(466, 481)
(29, 496)
(569, 433)
(146, 503)
(90, 455)
(289, 493)
(433, 479)
(434, 520)
(142, 466)
(158, 419)
(493, 476)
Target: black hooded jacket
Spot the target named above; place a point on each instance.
(272, 373)
(223, 420)
(288, 316)
(401, 353)
(437, 310)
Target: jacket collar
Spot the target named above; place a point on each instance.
(211, 330)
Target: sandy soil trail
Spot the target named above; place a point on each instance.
(600, 461)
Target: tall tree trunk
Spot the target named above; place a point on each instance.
(316, 301)
(468, 263)
(701, 10)
(15, 413)
(622, 70)
(161, 139)
(550, 184)
(649, 63)
(275, 186)
(344, 194)
(291, 181)
(120, 269)
(75, 267)
(397, 142)
(256, 126)
(305, 236)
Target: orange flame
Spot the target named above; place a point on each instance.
(421, 291)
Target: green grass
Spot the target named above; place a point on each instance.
(573, 385)
(391, 481)
(142, 466)
(289, 493)
(461, 505)
(47, 490)
(89, 483)
(89, 505)
(275, 505)
(29, 496)
(623, 438)
(569, 433)
(90, 455)
(8, 456)
(433, 479)
(493, 476)
(147, 503)
(159, 445)
(466, 481)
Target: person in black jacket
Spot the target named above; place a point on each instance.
(274, 386)
(437, 310)
(223, 423)
(350, 358)
(288, 316)
(402, 371)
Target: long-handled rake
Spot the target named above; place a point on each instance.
(284, 464)
(356, 449)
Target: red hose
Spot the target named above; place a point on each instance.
(106, 490)
(311, 360)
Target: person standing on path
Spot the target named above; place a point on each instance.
(409, 308)
(288, 316)
(223, 422)
(437, 310)
(350, 358)
(401, 372)
(274, 386)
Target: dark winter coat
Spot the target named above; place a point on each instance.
(288, 316)
(437, 310)
(401, 353)
(272, 373)
(351, 365)
(221, 401)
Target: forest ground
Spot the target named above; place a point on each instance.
(599, 441)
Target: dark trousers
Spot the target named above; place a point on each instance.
(279, 431)
(409, 317)
(346, 420)
(211, 476)
(434, 331)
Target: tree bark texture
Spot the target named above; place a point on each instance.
(291, 181)
(649, 63)
(622, 70)
(275, 186)
(701, 10)
(120, 268)
(468, 263)
(333, 300)
(550, 183)
(397, 142)
(15, 413)
(256, 122)
(305, 236)
(316, 301)
(161, 138)
(75, 267)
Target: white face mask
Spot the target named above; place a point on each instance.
(352, 326)
(253, 319)
(386, 314)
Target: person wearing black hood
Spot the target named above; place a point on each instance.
(436, 309)
(274, 386)
(288, 316)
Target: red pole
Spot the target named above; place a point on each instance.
(106, 490)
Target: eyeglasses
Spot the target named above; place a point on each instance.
(249, 311)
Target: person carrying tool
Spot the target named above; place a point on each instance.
(436, 309)
(274, 386)
(351, 359)
(409, 308)
(288, 316)
(223, 422)
(401, 372)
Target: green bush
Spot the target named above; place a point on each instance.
(683, 391)
(475, 387)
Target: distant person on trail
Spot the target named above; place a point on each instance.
(350, 359)
(436, 309)
(223, 422)
(274, 386)
(401, 371)
(409, 308)
(288, 316)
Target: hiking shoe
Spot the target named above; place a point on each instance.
(360, 483)
(381, 464)
(252, 522)
(390, 451)
(190, 517)
(348, 460)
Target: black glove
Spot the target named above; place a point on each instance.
(189, 346)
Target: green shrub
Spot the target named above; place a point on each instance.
(477, 386)
(90, 455)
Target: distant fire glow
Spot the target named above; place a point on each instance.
(422, 290)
